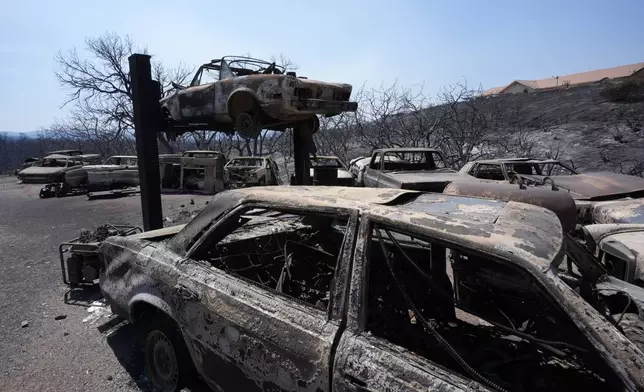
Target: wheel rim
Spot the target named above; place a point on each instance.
(161, 359)
(247, 126)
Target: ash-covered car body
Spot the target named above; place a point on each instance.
(243, 171)
(331, 163)
(422, 169)
(345, 289)
(248, 95)
(586, 188)
(51, 168)
(118, 171)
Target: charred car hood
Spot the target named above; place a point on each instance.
(419, 177)
(39, 170)
(589, 186)
(318, 83)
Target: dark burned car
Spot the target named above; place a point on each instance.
(422, 169)
(330, 164)
(248, 95)
(251, 171)
(348, 289)
(586, 188)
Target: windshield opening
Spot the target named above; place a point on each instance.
(325, 162)
(245, 162)
(412, 160)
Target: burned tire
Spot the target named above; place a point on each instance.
(248, 125)
(633, 328)
(168, 365)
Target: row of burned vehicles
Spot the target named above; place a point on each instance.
(70, 172)
(477, 284)
(605, 210)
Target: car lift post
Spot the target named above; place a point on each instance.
(147, 115)
(303, 145)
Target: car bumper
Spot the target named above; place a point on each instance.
(324, 105)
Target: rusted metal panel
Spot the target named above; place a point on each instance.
(559, 202)
(621, 211)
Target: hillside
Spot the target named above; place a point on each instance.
(589, 129)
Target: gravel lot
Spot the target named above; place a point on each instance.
(62, 348)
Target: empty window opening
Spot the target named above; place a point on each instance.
(463, 310)
(293, 254)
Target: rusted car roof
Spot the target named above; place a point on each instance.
(520, 231)
(414, 149)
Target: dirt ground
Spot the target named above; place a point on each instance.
(64, 346)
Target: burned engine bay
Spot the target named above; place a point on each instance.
(492, 324)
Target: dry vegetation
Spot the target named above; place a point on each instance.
(597, 126)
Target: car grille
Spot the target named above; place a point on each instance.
(341, 95)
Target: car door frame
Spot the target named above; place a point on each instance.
(238, 299)
(365, 362)
(372, 174)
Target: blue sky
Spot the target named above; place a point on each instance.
(360, 41)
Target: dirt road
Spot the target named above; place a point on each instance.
(61, 347)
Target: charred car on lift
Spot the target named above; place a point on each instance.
(248, 95)
(337, 288)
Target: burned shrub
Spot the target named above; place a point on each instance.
(628, 91)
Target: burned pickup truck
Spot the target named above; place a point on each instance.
(248, 95)
(422, 169)
(348, 289)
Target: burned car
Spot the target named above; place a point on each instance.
(334, 167)
(202, 170)
(251, 171)
(422, 169)
(338, 288)
(248, 95)
(118, 171)
(357, 167)
(586, 188)
(51, 168)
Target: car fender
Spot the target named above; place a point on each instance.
(152, 300)
(245, 104)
